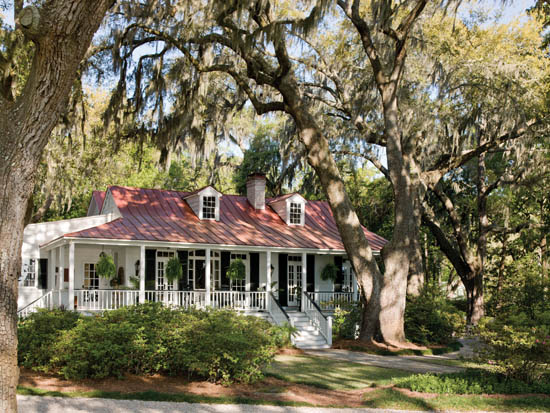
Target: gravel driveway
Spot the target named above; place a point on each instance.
(38, 404)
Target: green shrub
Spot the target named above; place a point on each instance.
(432, 319)
(38, 333)
(217, 345)
(345, 321)
(517, 346)
(471, 382)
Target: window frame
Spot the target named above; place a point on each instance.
(212, 211)
(293, 212)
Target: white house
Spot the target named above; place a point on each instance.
(285, 243)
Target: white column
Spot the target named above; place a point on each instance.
(62, 267)
(268, 279)
(51, 271)
(354, 283)
(207, 275)
(304, 279)
(142, 275)
(71, 276)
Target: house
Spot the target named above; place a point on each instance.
(284, 242)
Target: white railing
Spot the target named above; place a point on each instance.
(278, 314)
(46, 301)
(185, 299)
(330, 300)
(239, 300)
(317, 318)
(100, 300)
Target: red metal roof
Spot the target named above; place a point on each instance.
(161, 215)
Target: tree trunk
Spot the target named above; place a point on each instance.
(475, 299)
(62, 34)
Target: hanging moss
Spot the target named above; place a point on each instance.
(330, 272)
(236, 270)
(105, 267)
(173, 270)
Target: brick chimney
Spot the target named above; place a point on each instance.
(255, 190)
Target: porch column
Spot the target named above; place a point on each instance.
(51, 271)
(71, 276)
(268, 279)
(61, 278)
(207, 275)
(355, 298)
(142, 274)
(304, 280)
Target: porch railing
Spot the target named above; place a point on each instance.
(316, 316)
(45, 301)
(185, 299)
(99, 300)
(239, 300)
(330, 300)
(278, 314)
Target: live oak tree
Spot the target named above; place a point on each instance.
(57, 34)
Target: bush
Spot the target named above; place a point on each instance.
(471, 382)
(38, 333)
(217, 345)
(431, 318)
(517, 346)
(345, 322)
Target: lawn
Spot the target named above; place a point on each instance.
(331, 374)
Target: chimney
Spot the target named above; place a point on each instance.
(255, 190)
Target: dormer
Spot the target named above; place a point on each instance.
(205, 203)
(291, 208)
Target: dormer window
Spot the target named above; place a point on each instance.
(208, 207)
(295, 213)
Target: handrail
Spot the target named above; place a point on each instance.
(38, 303)
(331, 300)
(317, 318)
(279, 308)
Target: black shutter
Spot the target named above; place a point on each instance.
(254, 271)
(310, 262)
(184, 261)
(283, 279)
(225, 261)
(338, 261)
(150, 264)
(43, 273)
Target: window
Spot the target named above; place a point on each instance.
(239, 285)
(295, 213)
(29, 273)
(208, 207)
(91, 279)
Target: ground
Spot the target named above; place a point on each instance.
(294, 379)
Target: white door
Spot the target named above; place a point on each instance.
(161, 283)
(294, 279)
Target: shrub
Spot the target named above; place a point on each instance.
(345, 321)
(217, 345)
(432, 319)
(38, 333)
(471, 382)
(517, 346)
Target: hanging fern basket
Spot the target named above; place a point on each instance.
(105, 267)
(236, 270)
(329, 273)
(173, 270)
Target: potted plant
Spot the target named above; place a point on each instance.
(236, 270)
(173, 270)
(330, 272)
(105, 267)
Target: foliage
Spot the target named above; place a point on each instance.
(236, 270)
(215, 345)
(345, 321)
(173, 269)
(472, 381)
(431, 318)
(105, 267)
(330, 272)
(517, 346)
(38, 333)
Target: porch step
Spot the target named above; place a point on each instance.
(308, 336)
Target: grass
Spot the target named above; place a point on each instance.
(436, 351)
(331, 374)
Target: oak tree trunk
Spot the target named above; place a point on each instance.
(62, 32)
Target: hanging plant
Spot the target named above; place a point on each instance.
(105, 267)
(236, 270)
(330, 272)
(173, 270)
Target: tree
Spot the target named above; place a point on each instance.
(61, 32)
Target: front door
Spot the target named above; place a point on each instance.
(294, 279)
(161, 283)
